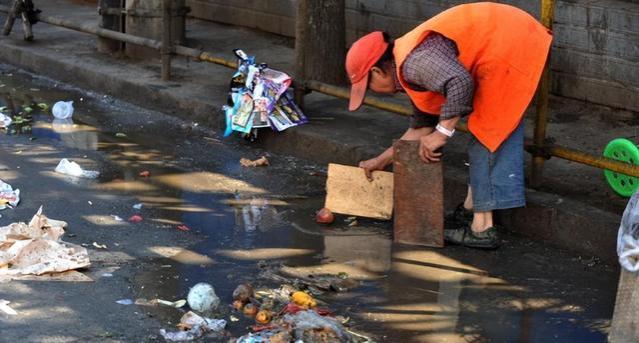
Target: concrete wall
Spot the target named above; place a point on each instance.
(595, 55)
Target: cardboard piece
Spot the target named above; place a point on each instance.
(348, 191)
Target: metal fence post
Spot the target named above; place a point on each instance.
(543, 95)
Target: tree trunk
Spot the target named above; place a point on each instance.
(320, 40)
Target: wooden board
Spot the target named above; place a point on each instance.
(418, 197)
(348, 191)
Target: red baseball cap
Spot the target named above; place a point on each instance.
(361, 57)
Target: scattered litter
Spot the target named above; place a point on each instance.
(73, 169)
(353, 223)
(62, 109)
(34, 89)
(90, 202)
(125, 302)
(202, 298)
(264, 317)
(117, 218)
(234, 318)
(243, 293)
(120, 134)
(136, 218)
(260, 162)
(137, 206)
(145, 173)
(27, 109)
(324, 216)
(4, 307)
(8, 196)
(99, 246)
(107, 275)
(36, 248)
(183, 228)
(5, 121)
(195, 325)
(43, 106)
(303, 300)
(176, 304)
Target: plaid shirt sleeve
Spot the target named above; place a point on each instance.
(433, 66)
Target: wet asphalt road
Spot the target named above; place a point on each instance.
(244, 222)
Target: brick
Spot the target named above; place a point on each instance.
(596, 66)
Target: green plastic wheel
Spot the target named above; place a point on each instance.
(623, 150)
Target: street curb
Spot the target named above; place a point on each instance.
(561, 222)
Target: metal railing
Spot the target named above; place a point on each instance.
(540, 150)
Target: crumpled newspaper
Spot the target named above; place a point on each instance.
(36, 248)
(8, 196)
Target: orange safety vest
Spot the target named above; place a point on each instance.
(504, 49)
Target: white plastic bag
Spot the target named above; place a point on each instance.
(73, 169)
(628, 237)
(62, 109)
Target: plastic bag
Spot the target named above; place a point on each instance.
(8, 196)
(73, 169)
(62, 109)
(628, 237)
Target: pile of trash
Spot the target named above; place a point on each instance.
(36, 248)
(9, 197)
(259, 98)
(279, 315)
(287, 314)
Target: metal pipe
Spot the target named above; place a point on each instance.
(594, 161)
(543, 97)
(340, 92)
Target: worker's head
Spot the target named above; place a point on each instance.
(369, 64)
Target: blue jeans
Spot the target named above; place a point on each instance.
(497, 179)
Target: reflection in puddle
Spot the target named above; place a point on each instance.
(256, 214)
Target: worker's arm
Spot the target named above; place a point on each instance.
(384, 159)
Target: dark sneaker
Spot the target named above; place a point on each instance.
(463, 235)
(460, 217)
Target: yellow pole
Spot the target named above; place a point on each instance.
(543, 95)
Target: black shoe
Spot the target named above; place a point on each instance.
(460, 217)
(463, 235)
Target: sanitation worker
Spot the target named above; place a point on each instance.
(481, 60)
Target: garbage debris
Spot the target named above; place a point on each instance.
(288, 314)
(120, 134)
(258, 98)
(195, 327)
(5, 120)
(8, 196)
(627, 243)
(73, 169)
(137, 206)
(4, 307)
(183, 228)
(145, 173)
(117, 218)
(62, 109)
(36, 248)
(202, 298)
(99, 246)
(324, 216)
(136, 218)
(43, 106)
(176, 304)
(260, 162)
(125, 302)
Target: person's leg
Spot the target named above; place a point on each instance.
(496, 182)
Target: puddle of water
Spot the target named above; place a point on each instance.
(406, 293)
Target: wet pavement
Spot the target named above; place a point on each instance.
(253, 225)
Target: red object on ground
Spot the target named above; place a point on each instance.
(145, 173)
(183, 228)
(258, 328)
(136, 218)
(324, 216)
(293, 309)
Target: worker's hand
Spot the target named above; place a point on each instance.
(371, 165)
(429, 146)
